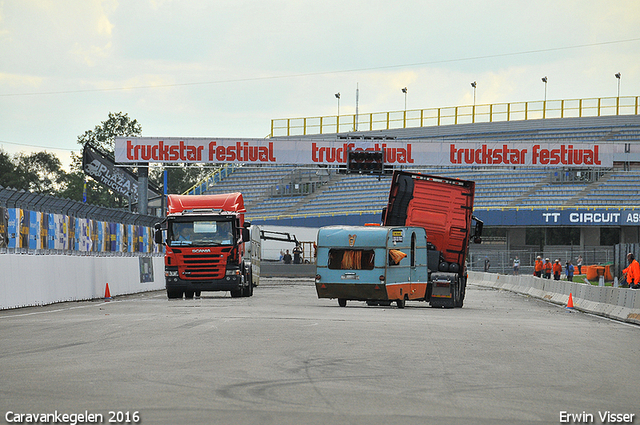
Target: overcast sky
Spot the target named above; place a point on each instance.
(225, 68)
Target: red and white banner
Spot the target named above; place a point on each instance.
(417, 152)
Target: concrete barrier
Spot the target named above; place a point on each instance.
(30, 280)
(616, 303)
(279, 269)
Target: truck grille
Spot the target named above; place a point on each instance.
(204, 266)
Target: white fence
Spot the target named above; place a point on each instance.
(30, 280)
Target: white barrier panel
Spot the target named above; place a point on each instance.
(617, 303)
(30, 280)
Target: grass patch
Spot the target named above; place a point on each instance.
(581, 278)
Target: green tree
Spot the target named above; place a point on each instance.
(180, 177)
(103, 136)
(43, 171)
(8, 175)
(39, 172)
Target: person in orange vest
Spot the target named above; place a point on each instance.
(548, 268)
(632, 272)
(538, 267)
(557, 270)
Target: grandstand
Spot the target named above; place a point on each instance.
(278, 192)
(511, 198)
(345, 194)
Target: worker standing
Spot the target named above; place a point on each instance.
(632, 272)
(297, 254)
(548, 268)
(538, 267)
(569, 269)
(557, 270)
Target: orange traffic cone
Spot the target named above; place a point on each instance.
(570, 303)
(107, 294)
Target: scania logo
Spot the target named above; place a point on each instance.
(201, 250)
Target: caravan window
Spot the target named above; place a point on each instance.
(351, 259)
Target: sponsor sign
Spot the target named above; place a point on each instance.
(421, 152)
(560, 217)
(104, 171)
(4, 235)
(146, 269)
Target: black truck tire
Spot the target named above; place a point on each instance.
(173, 293)
(462, 290)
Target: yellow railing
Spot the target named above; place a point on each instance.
(495, 112)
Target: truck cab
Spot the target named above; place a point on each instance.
(205, 237)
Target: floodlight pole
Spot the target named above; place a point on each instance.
(473, 115)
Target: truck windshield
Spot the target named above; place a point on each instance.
(351, 259)
(200, 233)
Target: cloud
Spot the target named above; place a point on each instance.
(16, 80)
(227, 67)
(92, 54)
(46, 37)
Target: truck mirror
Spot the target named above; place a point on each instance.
(246, 237)
(157, 235)
(477, 231)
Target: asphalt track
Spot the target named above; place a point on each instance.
(285, 357)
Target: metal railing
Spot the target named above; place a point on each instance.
(210, 180)
(501, 260)
(453, 115)
(32, 223)
(11, 198)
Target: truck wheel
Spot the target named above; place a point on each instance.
(247, 291)
(342, 302)
(460, 292)
(400, 303)
(188, 295)
(236, 294)
(173, 293)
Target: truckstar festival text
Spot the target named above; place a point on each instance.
(416, 152)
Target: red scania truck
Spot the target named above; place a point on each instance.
(209, 246)
(443, 206)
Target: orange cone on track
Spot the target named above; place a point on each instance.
(570, 303)
(107, 293)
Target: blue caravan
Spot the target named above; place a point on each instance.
(375, 264)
